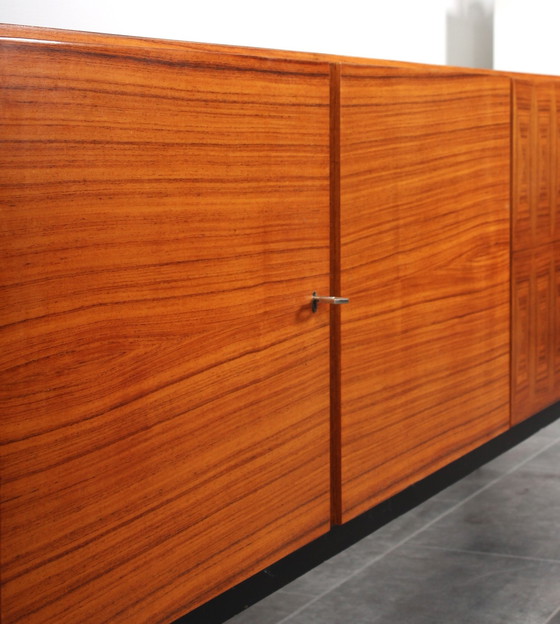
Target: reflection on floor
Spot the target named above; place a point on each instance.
(484, 551)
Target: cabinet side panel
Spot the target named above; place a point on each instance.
(425, 233)
(165, 386)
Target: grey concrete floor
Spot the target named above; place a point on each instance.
(484, 551)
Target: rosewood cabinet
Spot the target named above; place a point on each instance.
(165, 385)
(174, 417)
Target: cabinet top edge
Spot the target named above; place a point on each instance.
(55, 35)
(117, 45)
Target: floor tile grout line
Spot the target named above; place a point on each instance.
(549, 621)
(283, 590)
(490, 553)
(286, 619)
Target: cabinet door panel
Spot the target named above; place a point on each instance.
(535, 164)
(556, 147)
(425, 235)
(523, 335)
(165, 386)
(535, 330)
(535, 373)
(543, 269)
(545, 165)
(524, 156)
(556, 323)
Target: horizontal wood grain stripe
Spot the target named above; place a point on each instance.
(168, 57)
(131, 400)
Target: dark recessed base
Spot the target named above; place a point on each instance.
(338, 538)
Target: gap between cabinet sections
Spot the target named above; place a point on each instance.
(335, 289)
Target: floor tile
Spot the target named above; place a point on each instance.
(407, 524)
(415, 585)
(469, 485)
(519, 515)
(271, 609)
(555, 618)
(524, 450)
(497, 467)
(341, 566)
(552, 429)
(546, 462)
(337, 569)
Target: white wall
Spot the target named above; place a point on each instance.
(470, 33)
(410, 30)
(527, 36)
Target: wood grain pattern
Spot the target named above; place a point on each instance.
(545, 169)
(425, 262)
(165, 388)
(535, 236)
(535, 330)
(74, 36)
(523, 336)
(535, 164)
(556, 324)
(523, 158)
(556, 146)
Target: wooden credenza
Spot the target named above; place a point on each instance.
(175, 417)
